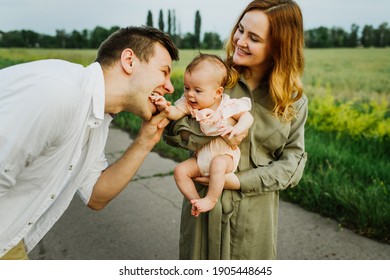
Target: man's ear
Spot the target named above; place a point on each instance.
(127, 60)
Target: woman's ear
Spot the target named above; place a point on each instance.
(127, 60)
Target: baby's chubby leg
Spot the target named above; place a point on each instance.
(219, 166)
(184, 173)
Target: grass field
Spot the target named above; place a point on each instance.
(10, 56)
(351, 73)
(347, 135)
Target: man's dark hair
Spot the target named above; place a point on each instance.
(140, 39)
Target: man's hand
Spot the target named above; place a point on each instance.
(151, 130)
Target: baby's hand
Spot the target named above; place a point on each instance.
(161, 103)
(236, 140)
(228, 129)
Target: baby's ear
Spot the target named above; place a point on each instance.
(219, 91)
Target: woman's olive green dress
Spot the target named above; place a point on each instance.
(243, 224)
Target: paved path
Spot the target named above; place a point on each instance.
(142, 223)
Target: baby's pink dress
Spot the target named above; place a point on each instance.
(210, 121)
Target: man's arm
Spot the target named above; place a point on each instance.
(116, 177)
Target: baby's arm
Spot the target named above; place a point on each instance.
(171, 112)
(244, 122)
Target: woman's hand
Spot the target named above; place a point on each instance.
(231, 181)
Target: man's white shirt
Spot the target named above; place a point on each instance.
(53, 130)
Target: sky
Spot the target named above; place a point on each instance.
(47, 16)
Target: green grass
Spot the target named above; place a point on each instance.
(348, 181)
(19, 55)
(350, 73)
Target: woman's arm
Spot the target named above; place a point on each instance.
(287, 170)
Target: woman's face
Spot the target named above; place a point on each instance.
(251, 41)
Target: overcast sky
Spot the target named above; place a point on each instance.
(46, 16)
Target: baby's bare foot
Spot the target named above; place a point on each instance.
(204, 204)
(194, 210)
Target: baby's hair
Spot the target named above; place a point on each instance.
(226, 80)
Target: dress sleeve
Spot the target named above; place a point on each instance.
(186, 133)
(284, 172)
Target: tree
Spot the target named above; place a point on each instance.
(169, 31)
(76, 40)
(198, 22)
(30, 38)
(187, 42)
(318, 38)
(161, 21)
(174, 22)
(98, 35)
(353, 38)
(387, 37)
(149, 19)
(176, 36)
(211, 41)
(368, 36)
(12, 39)
(47, 41)
(380, 35)
(61, 37)
(338, 37)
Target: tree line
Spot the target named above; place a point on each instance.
(336, 37)
(321, 37)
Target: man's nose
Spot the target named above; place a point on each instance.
(169, 87)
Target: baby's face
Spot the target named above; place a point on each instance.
(201, 88)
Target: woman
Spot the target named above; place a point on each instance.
(265, 49)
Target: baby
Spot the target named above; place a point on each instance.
(218, 114)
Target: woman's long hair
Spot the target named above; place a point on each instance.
(287, 43)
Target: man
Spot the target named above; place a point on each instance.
(55, 121)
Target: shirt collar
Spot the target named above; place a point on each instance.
(98, 92)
